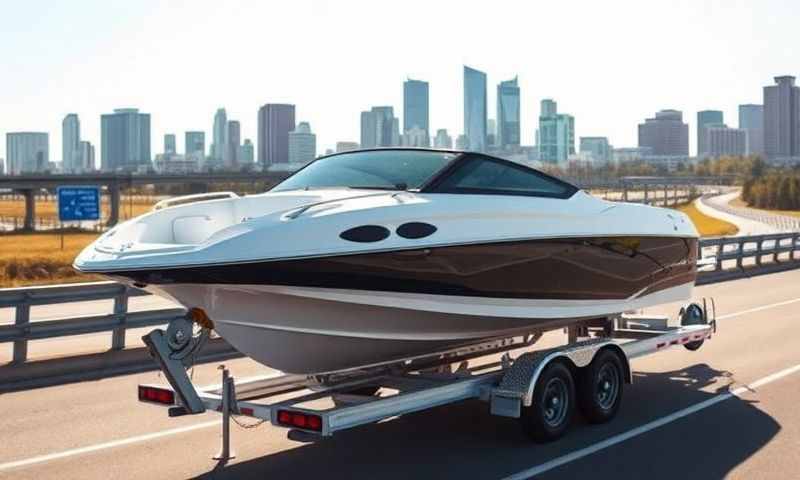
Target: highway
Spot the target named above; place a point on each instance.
(677, 420)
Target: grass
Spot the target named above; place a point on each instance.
(48, 209)
(708, 226)
(738, 202)
(37, 258)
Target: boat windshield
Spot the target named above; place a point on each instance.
(378, 169)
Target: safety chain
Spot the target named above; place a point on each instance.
(247, 425)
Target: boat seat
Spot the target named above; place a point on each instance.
(194, 229)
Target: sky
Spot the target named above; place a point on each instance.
(609, 63)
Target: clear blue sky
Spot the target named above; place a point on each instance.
(610, 64)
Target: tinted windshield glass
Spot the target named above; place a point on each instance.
(393, 169)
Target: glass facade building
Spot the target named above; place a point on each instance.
(556, 134)
(706, 119)
(415, 105)
(508, 114)
(475, 109)
(275, 121)
(124, 140)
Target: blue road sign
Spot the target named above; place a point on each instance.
(78, 203)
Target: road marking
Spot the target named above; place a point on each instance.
(758, 309)
(103, 446)
(660, 422)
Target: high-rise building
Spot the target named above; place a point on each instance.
(195, 142)
(86, 154)
(462, 142)
(508, 114)
(124, 140)
(491, 132)
(416, 137)
(722, 140)
(70, 143)
(415, 105)
(706, 119)
(218, 139)
(233, 139)
(751, 119)
(598, 148)
(442, 139)
(302, 144)
(556, 134)
(665, 134)
(27, 152)
(170, 146)
(475, 109)
(782, 118)
(275, 121)
(246, 153)
(346, 146)
(380, 128)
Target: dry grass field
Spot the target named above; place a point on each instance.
(48, 209)
(37, 258)
(708, 226)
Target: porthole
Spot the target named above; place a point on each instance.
(365, 234)
(414, 230)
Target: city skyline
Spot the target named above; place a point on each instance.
(96, 76)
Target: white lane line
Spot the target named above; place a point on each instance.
(609, 442)
(103, 446)
(174, 431)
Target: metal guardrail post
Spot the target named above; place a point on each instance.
(740, 255)
(121, 311)
(759, 248)
(22, 318)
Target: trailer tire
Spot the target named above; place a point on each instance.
(553, 404)
(600, 387)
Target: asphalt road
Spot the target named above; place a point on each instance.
(710, 206)
(99, 430)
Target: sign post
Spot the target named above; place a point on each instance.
(76, 204)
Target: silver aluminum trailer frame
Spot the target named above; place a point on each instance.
(420, 383)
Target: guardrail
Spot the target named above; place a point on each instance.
(731, 257)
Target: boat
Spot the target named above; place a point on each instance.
(374, 256)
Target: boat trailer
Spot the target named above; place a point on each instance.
(540, 387)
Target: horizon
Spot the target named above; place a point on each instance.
(610, 75)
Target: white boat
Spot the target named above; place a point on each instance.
(375, 256)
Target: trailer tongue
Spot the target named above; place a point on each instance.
(542, 388)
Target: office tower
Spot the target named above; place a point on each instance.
(442, 139)
(170, 147)
(302, 144)
(415, 105)
(195, 142)
(124, 139)
(70, 143)
(462, 142)
(27, 152)
(705, 119)
(751, 119)
(491, 130)
(665, 134)
(416, 137)
(233, 139)
(782, 118)
(508, 114)
(246, 153)
(598, 148)
(86, 155)
(475, 109)
(722, 140)
(346, 146)
(2, 167)
(218, 139)
(275, 121)
(379, 128)
(556, 134)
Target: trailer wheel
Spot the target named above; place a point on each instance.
(600, 387)
(693, 314)
(551, 411)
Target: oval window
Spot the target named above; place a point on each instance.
(414, 230)
(365, 234)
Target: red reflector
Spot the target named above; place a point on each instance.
(158, 395)
(300, 420)
(246, 411)
(284, 417)
(314, 422)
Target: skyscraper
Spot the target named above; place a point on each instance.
(246, 153)
(415, 105)
(233, 139)
(475, 109)
(508, 114)
(124, 139)
(442, 139)
(556, 134)
(27, 152)
(218, 139)
(195, 142)
(275, 121)
(302, 144)
(665, 134)
(170, 147)
(70, 143)
(379, 128)
(705, 119)
(751, 119)
(722, 140)
(782, 118)
(599, 149)
(86, 154)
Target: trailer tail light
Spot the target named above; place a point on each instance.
(300, 420)
(156, 395)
